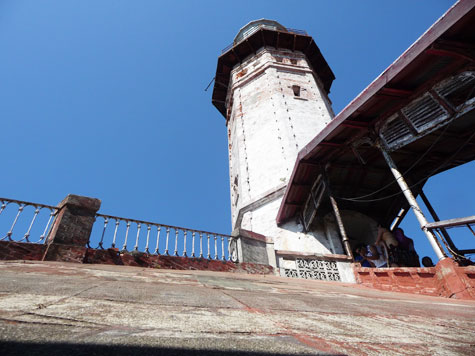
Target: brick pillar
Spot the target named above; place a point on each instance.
(254, 248)
(72, 228)
(452, 279)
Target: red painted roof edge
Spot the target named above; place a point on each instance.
(447, 20)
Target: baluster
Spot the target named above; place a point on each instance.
(209, 256)
(222, 249)
(115, 232)
(43, 236)
(215, 247)
(106, 221)
(158, 239)
(136, 247)
(27, 234)
(193, 244)
(9, 233)
(232, 249)
(184, 242)
(201, 245)
(176, 243)
(148, 238)
(166, 244)
(126, 236)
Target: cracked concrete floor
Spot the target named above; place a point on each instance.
(60, 308)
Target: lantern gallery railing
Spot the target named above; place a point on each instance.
(23, 221)
(153, 238)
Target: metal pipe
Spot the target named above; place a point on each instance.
(175, 253)
(470, 228)
(136, 247)
(341, 227)
(9, 233)
(413, 204)
(106, 221)
(222, 248)
(117, 222)
(124, 247)
(201, 245)
(166, 242)
(208, 256)
(27, 234)
(46, 231)
(436, 218)
(399, 218)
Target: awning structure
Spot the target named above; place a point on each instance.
(420, 110)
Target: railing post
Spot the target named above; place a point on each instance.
(72, 228)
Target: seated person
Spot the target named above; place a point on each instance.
(384, 235)
(427, 262)
(360, 250)
(404, 255)
(404, 242)
(374, 255)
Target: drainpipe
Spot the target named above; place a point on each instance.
(413, 203)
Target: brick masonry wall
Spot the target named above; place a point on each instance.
(10, 250)
(139, 259)
(447, 279)
(401, 279)
(78, 254)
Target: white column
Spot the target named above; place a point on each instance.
(413, 204)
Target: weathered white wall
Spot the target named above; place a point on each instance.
(267, 124)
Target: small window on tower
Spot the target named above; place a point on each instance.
(296, 90)
(293, 61)
(279, 59)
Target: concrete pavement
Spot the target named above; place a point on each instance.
(64, 308)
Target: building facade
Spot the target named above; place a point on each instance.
(275, 102)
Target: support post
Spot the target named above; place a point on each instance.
(436, 218)
(341, 227)
(413, 204)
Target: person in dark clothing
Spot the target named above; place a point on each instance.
(427, 262)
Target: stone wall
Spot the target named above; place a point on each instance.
(10, 250)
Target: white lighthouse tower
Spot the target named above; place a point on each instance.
(272, 87)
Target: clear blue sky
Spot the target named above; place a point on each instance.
(106, 98)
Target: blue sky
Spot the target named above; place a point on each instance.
(106, 98)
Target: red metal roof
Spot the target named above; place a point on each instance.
(445, 49)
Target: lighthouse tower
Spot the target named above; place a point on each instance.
(271, 86)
